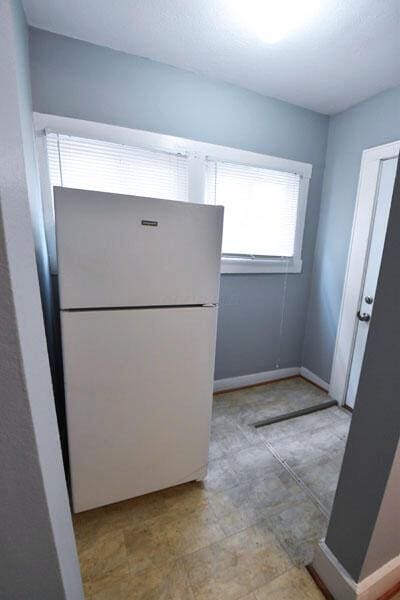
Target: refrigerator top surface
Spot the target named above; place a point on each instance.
(127, 251)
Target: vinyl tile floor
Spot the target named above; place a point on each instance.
(247, 531)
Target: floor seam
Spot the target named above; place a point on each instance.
(297, 479)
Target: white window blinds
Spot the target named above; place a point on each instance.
(108, 167)
(89, 164)
(260, 208)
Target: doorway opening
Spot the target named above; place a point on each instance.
(375, 190)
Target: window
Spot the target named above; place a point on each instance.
(264, 196)
(107, 167)
(260, 209)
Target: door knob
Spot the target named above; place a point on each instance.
(368, 299)
(364, 317)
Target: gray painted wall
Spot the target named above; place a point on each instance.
(371, 123)
(39, 560)
(81, 80)
(42, 260)
(364, 529)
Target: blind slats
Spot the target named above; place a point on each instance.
(260, 208)
(261, 205)
(108, 167)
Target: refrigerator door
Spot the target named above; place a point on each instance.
(116, 250)
(138, 399)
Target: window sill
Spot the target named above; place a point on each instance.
(246, 265)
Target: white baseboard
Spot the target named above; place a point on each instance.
(342, 586)
(314, 378)
(231, 383)
(246, 380)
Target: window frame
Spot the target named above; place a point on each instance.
(198, 154)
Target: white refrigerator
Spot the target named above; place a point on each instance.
(138, 286)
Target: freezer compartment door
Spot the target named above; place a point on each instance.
(138, 399)
(116, 250)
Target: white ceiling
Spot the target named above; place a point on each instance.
(348, 52)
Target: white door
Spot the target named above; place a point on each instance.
(138, 389)
(116, 251)
(373, 263)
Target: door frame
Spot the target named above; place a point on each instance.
(356, 264)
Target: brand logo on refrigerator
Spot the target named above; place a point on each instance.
(149, 223)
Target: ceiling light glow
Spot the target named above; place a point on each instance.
(272, 20)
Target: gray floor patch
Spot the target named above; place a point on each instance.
(285, 473)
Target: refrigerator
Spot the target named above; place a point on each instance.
(138, 288)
